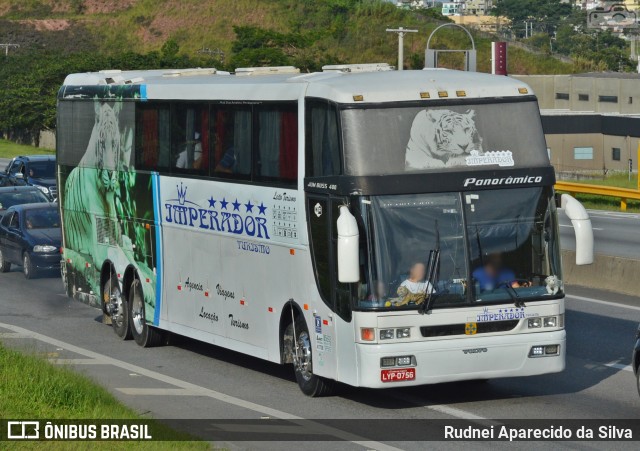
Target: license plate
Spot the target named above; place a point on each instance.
(398, 375)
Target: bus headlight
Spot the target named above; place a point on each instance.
(534, 323)
(544, 351)
(386, 334)
(404, 361)
(404, 332)
(545, 321)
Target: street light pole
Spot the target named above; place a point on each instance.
(401, 32)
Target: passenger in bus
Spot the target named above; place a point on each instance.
(492, 274)
(415, 287)
(227, 162)
(183, 157)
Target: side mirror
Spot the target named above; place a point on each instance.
(19, 175)
(348, 247)
(582, 227)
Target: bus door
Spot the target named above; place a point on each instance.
(328, 331)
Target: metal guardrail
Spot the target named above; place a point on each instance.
(611, 191)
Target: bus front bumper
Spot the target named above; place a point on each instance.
(460, 359)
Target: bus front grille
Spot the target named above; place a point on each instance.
(459, 329)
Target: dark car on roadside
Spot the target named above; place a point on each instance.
(19, 195)
(30, 236)
(635, 360)
(32, 170)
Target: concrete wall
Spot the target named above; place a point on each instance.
(617, 274)
(48, 139)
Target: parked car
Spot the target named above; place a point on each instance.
(18, 195)
(635, 361)
(34, 170)
(30, 236)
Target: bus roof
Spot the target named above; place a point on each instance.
(339, 86)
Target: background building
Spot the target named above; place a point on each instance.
(591, 121)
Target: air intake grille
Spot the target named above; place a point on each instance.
(106, 231)
(459, 329)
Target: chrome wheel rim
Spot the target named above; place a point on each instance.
(137, 312)
(302, 358)
(112, 293)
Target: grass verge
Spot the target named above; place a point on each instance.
(10, 149)
(32, 388)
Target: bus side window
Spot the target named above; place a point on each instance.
(190, 138)
(153, 138)
(277, 143)
(231, 129)
(323, 139)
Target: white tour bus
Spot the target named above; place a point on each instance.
(374, 227)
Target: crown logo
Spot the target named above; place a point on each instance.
(182, 193)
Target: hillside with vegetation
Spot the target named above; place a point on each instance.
(57, 37)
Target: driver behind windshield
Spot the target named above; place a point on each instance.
(492, 274)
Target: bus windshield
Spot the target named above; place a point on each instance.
(495, 246)
(419, 138)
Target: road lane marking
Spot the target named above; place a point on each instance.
(56, 361)
(344, 435)
(13, 335)
(159, 392)
(620, 366)
(447, 410)
(570, 226)
(607, 303)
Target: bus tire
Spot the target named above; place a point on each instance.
(110, 289)
(5, 266)
(310, 384)
(120, 319)
(145, 335)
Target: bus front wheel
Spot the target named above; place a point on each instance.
(145, 335)
(310, 384)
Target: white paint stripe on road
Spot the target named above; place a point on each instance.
(447, 410)
(571, 227)
(457, 413)
(77, 362)
(619, 366)
(607, 303)
(13, 335)
(352, 438)
(159, 392)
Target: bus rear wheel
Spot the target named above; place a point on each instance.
(310, 384)
(145, 335)
(118, 307)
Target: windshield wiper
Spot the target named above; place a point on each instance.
(513, 294)
(432, 271)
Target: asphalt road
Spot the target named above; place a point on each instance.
(4, 162)
(189, 379)
(615, 233)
